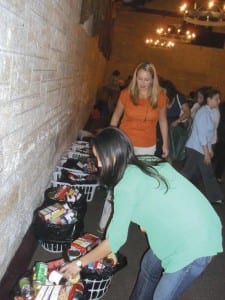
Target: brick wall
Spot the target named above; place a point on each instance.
(49, 72)
(188, 66)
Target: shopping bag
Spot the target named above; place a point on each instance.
(177, 139)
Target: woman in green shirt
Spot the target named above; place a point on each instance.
(183, 230)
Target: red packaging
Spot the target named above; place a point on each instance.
(55, 264)
(61, 193)
(84, 244)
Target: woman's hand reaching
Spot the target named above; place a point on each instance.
(71, 270)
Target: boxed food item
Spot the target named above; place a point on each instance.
(46, 282)
(51, 212)
(82, 245)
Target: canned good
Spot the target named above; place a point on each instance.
(68, 218)
(24, 282)
(56, 277)
(26, 290)
(40, 272)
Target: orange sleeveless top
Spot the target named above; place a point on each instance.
(139, 121)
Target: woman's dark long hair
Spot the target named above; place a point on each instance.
(170, 88)
(116, 152)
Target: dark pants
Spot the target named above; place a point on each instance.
(219, 159)
(195, 165)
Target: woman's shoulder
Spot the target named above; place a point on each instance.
(162, 98)
(125, 93)
(124, 96)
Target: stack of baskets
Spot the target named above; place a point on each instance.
(77, 170)
(57, 237)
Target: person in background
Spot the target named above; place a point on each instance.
(200, 94)
(155, 196)
(199, 100)
(126, 82)
(113, 88)
(178, 115)
(139, 108)
(178, 110)
(199, 147)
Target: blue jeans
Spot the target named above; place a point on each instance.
(153, 284)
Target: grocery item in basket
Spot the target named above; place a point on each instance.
(51, 212)
(65, 193)
(26, 290)
(49, 292)
(55, 264)
(74, 179)
(82, 245)
(76, 291)
(56, 277)
(85, 164)
(40, 272)
(61, 192)
(61, 292)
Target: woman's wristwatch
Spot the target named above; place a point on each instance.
(79, 263)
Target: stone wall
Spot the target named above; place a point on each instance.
(188, 66)
(49, 72)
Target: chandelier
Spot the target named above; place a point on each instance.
(159, 43)
(168, 36)
(177, 33)
(210, 14)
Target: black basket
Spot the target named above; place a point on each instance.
(54, 246)
(80, 206)
(73, 164)
(76, 179)
(55, 237)
(55, 232)
(96, 282)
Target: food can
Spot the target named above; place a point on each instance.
(56, 277)
(25, 288)
(24, 282)
(40, 272)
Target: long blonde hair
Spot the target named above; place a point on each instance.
(153, 91)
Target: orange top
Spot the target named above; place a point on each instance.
(139, 121)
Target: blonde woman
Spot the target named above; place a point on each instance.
(139, 108)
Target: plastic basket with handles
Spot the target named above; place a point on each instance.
(79, 145)
(53, 246)
(74, 178)
(55, 237)
(80, 205)
(76, 154)
(88, 189)
(96, 283)
(74, 171)
(96, 289)
(86, 165)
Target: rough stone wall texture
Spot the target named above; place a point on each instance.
(50, 69)
(188, 66)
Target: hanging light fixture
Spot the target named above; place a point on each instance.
(210, 14)
(169, 36)
(160, 43)
(177, 33)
